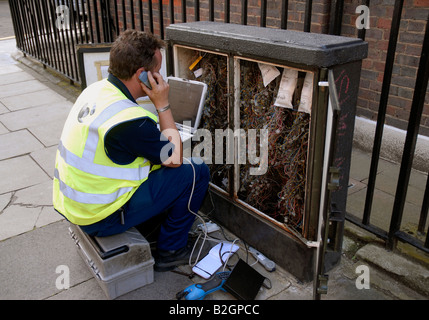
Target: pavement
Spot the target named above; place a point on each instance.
(34, 239)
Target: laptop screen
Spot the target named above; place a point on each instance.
(186, 99)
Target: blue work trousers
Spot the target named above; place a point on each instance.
(166, 189)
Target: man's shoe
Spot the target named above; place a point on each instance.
(168, 260)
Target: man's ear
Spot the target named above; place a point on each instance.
(137, 73)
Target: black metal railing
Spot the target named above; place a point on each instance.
(39, 35)
(98, 21)
(394, 233)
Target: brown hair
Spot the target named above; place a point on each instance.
(132, 50)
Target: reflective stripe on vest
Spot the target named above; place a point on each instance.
(89, 198)
(92, 139)
(86, 165)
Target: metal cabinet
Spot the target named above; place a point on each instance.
(280, 110)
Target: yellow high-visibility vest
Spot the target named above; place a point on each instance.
(88, 185)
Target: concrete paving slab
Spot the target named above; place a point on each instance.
(355, 186)
(47, 216)
(6, 26)
(4, 200)
(10, 68)
(31, 99)
(392, 287)
(20, 172)
(29, 262)
(381, 209)
(14, 77)
(387, 179)
(380, 286)
(48, 133)
(17, 219)
(86, 290)
(360, 164)
(7, 46)
(415, 275)
(36, 116)
(3, 109)
(45, 158)
(13, 89)
(3, 129)
(355, 203)
(37, 195)
(164, 287)
(342, 285)
(387, 182)
(5, 59)
(18, 143)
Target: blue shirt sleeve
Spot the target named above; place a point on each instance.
(136, 138)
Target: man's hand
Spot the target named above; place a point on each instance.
(159, 93)
(159, 96)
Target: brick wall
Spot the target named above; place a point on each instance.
(413, 21)
(407, 57)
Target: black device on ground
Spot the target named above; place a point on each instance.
(244, 282)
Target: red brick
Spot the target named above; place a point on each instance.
(382, 45)
(384, 23)
(421, 3)
(379, 66)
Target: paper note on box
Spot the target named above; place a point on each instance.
(287, 88)
(306, 94)
(269, 73)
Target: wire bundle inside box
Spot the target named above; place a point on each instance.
(280, 191)
(215, 116)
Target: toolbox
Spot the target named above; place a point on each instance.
(120, 263)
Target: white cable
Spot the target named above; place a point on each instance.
(257, 260)
(198, 216)
(229, 255)
(204, 224)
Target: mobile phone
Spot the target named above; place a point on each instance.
(143, 78)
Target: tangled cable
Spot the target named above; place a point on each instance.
(280, 192)
(215, 116)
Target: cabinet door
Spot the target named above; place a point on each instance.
(330, 182)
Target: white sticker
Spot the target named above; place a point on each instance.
(306, 94)
(198, 73)
(269, 73)
(287, 88)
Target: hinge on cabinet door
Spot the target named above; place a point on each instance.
(334, 184)
(323, 284)
(335, 214)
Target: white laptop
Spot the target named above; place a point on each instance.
(186, 99)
